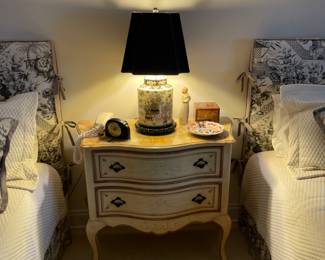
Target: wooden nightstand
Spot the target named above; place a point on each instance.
(157, 184)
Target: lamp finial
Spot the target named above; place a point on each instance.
(155, 10)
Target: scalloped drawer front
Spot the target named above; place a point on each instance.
(157, 167)
(157, 204)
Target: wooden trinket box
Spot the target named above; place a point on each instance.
(207, 111)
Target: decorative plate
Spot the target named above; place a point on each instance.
(205, 128)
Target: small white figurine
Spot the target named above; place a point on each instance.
(184, 111)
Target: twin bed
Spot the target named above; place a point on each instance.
(29, 222)
(283, 215)
(33, 222)
(288, 214)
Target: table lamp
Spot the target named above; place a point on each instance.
(155, 48)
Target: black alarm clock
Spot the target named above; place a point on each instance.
(117, 128)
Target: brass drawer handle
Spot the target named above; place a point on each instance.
(116, 167)
(200, 163)
(118, 202)
(199, 199)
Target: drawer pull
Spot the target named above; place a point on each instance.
(200, 163)
(199, 199)
(116, 167)
(118, 202)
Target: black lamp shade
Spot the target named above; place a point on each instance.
(155, 45)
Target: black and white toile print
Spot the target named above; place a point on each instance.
(275, 63)
(30, 66)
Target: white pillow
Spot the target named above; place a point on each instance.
(287, 103)
(296, 97)
(296, 110)
(280, 127)
(307, 145)
(305, 92)
(21, 159)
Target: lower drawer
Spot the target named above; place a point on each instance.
(147, 204)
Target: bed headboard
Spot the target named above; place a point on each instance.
(29, 66)
(274, 63)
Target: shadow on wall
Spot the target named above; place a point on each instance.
(150, 4)
(166, 4)
(90, 46)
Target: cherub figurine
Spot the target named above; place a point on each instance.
(184, 111)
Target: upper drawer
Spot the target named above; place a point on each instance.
(157, 167)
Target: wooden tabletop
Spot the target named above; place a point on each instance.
(181, 137)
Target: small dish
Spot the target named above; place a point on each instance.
(205, 128)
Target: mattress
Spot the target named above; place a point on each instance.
(289, 213)
(27, 225)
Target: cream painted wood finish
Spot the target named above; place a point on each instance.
(169, 167)
(157, 205)
(157, 184)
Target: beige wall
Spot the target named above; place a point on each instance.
(90, 35)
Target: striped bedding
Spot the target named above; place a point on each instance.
(289, 213)
(27, 225)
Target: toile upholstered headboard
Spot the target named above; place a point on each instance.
(275, 63)
(30, 66)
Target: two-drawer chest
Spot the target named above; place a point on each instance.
(157, 184)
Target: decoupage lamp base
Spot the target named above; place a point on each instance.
(155, 107)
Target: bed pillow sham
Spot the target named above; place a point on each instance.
(302, 92)
(280, 127)
(7, 128)
(285, 104)
(21, 159)
(319, 115)
(307, 145)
